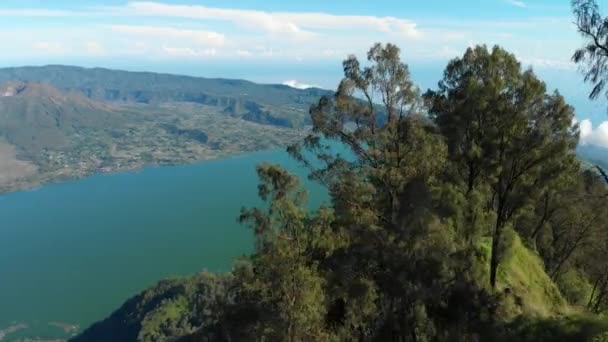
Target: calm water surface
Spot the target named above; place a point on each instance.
(72, 252)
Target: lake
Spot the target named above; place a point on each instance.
(72, 252)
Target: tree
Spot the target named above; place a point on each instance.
(381, 160)
(593, 56)
(411, 198)
(575, 225)
(507, 137)
(282, 283)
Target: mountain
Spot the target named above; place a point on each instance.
(70, 126)
(278, 105)
(36, 116)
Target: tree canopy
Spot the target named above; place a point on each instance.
(457, 215)
(429, 195)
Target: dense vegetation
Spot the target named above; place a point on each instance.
(461, 214)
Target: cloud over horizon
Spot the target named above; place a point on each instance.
(589, 135)
(299, 85)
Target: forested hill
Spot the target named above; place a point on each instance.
(279, 105)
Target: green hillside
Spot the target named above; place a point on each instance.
(527, 289)
(533, 308)
(173, 309)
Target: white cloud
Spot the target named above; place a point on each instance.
(188, 52)
(548, 63)
(49, 47)
(298, 85)
(589, 135)
(208, 38)
(151, 30)
(517, 3)
(294, 25)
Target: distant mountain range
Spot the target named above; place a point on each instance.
(60, 122)
(278, 105)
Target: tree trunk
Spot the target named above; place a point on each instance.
(591, 297)
(495, 252)
(543, 219)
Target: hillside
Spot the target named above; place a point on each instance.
(173, 309)
(48, 134)
(36, 117)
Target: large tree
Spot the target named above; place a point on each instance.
(593, 55)
(508, 139)
(281, 290)
(380, 159)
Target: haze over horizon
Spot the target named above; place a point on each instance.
(299, 44)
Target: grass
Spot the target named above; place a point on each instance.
(576, 288)
(525, 287)
(535, 309)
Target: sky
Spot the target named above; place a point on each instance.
(300, 43)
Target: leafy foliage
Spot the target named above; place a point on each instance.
(509, 140)
(593, 55)
(171, 310)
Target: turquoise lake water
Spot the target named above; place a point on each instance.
(72, 252)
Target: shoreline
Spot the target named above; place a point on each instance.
(45, 179)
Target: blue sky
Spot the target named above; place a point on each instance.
(275, 41)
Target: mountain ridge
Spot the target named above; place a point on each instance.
(273, 104)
